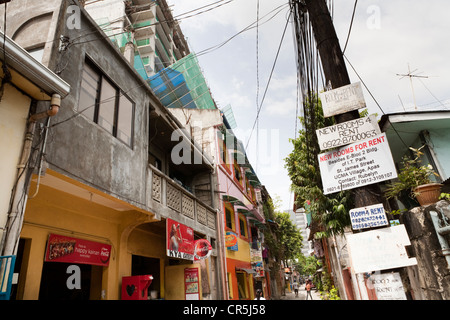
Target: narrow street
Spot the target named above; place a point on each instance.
(301, 295)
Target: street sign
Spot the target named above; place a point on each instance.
(379, 249)
(342, 99)
(368, 217)
(348, 132)
(356, 165)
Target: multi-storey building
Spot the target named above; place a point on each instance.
(111, 185)
(148, 24)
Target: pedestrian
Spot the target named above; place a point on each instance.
(295, 286)
(259, 295)
(308, 289)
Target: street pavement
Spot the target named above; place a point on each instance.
(301, 295)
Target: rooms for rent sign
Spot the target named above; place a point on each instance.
(356, 165)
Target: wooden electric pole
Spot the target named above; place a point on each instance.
(336, 75)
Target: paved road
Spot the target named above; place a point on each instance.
(301, 295)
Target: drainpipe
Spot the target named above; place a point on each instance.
(19, 195)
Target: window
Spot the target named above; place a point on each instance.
(228, 218)
(243, 227)
(104, 103)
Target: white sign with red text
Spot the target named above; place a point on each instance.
(356, 165)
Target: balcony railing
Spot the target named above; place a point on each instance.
(170, 194)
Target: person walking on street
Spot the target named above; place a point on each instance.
(308, 289)
(259, 295)
(295, 286)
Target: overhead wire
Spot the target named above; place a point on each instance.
(350, 27)
(257, 80)
(268, 83)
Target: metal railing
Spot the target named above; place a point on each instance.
(6, 275)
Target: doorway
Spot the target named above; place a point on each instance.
(54, 282)
(144, 265)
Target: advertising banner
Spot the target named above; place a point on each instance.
(342, 99)
(231, 241)
(256, 260)
(356, 165)
(368, 217)
(202, 249)
(180, 240)
(79, 251)
(191, 284)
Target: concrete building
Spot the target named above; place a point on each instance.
(25, 82)
(148, 25)
(111, 179)
(298, 217)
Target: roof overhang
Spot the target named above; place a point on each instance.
(28, 74)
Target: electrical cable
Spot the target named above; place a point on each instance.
(257, 80)
(350, 27)
(268, 83)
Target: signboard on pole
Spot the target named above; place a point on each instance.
(388, 286)
(368, 217)
(379, 249)
(180, 240)
(348, 132)
(356, 165)
(342, 99)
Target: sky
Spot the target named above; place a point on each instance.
(386, 38)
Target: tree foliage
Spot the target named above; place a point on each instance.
(330, 211)
(284, 240)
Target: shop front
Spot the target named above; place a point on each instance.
(70, 245)
(73, 268)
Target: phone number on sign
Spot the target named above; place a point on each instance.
(348, 139)
(361, 182)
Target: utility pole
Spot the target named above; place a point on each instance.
(337, 76)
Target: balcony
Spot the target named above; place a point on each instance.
(144, 46)
(170, 199)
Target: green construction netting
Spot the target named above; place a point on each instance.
(182, 85)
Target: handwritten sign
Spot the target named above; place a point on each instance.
(356, 165)
(348, 132)
(388, 286)
(368, 217)
(342, 99)
(379, 249)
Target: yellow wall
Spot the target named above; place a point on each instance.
(14, 108)
(175, 289)
(53, 211)
(243, 253)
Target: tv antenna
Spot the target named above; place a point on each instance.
(410, 75)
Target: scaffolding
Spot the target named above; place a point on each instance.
(182, 85)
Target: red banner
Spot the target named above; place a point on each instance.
(73, 250)
(180, 240)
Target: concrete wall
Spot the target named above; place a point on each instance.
(78, 147)
(14, 108)
(434, 274)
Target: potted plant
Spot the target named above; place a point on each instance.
(415, 179)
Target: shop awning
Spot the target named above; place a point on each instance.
(245, 212)
(233, 200)
(250, 271)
